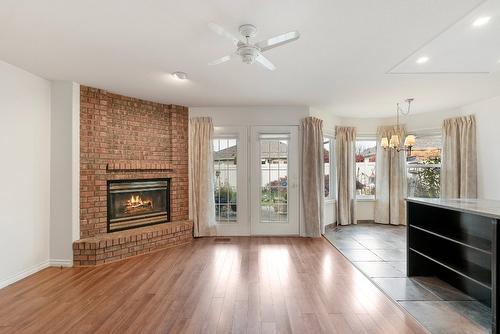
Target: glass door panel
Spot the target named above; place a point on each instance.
(274, 179)
(226, 179)
(231, 181)
(274, 184)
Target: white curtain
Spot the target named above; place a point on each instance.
(313, 179)
(390, 205)
(202, 175)
(459, 165)
(345, 149)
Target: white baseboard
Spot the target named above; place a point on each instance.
(25, 273)
(61, 263)
(34, 269)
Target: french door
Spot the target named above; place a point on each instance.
(274, 181)
(231, 180)
(256, 180)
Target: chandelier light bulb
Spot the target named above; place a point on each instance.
(384, 143)
(394, 142)
(410, 141)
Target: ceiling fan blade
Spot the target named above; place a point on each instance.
(222, 32)
(265, 62)
(221, 60)
(278, 40)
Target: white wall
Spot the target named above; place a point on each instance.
(329, 120)
(487, 114)
(252, 116)
(414, 122)
(24, 173)
(64, 107)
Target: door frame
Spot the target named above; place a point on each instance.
(242, 226)
(294, 198)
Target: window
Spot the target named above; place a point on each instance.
(225, 173)
(366, 151)
(424, 167)
(274, 178)
(328, 143)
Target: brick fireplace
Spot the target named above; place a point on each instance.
(136, 203)
(125, 143)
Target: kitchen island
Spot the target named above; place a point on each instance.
(455, 240)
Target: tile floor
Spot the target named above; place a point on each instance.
(379, 251)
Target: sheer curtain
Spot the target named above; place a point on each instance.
(459, 165)
(345, 149)
(202, 175)
(390, 205)
(313, 180)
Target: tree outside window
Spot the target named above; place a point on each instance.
(366, 151)
(328, 166)
(424, 167)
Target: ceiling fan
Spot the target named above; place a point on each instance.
(252, 52)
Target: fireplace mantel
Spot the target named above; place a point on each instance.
(139, 165)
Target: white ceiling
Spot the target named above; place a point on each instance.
(462, 48)
(341, 63)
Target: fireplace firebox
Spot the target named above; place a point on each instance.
(137, 203)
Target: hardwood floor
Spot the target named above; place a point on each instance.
(247, 285)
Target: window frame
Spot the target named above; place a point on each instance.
(332, 195)
(367, 137)
(408, 165)
(227, 136)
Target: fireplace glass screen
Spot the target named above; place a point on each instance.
(137, 203)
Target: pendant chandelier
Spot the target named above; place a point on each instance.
(395, 142)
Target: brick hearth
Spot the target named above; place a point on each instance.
(126, 138)
(119, 245)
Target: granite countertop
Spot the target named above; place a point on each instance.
(484, 207)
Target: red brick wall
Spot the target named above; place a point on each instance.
(127, 138)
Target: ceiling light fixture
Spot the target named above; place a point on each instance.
(423, 60)
(180, 75)
(481, 21)
(395, 141)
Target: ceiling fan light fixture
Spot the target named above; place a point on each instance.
(248, 51)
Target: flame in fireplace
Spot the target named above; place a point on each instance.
(136, 202)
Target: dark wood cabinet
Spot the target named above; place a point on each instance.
(456, 240)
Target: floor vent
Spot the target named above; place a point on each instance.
(222, 239)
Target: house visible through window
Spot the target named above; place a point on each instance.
(225, 173)
(274, 178)
(328, 167)
(366, 151)
(424, 167)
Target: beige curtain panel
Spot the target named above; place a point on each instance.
(313, 180)
(345, 149)
(459, 165)
(202, 176)
(390, 205)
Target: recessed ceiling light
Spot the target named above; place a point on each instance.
(481, 21)
(180, 75)
(422, 60)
